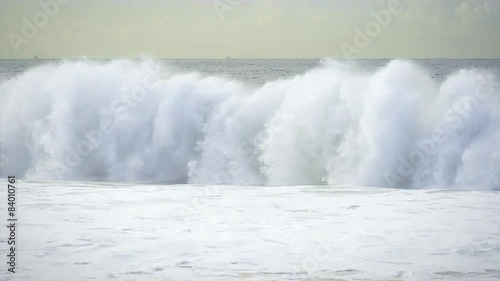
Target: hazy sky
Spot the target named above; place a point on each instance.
(248, 28)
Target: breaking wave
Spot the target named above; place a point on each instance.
(335, 125)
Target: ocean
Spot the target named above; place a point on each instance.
(260, 71)
(252, 169)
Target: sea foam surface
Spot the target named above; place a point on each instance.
(109, 231)
(336, 124)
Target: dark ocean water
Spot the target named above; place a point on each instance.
(260, 71)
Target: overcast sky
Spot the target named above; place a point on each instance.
(250, 29)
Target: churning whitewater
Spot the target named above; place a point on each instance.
(336, 125)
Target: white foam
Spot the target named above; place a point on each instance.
(334, 125)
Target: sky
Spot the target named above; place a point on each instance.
(250, 28)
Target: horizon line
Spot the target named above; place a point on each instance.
(237, 58)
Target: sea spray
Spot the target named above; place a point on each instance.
(334, 125)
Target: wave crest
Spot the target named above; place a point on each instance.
(335, 125)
